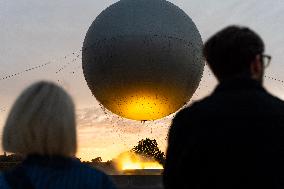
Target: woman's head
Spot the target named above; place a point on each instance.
(42, 121)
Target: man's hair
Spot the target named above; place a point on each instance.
(42, 121)
(230, 51)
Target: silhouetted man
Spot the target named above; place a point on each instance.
(235, 137)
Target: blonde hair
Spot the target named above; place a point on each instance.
(42, 121)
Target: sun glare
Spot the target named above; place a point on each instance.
(131, 161)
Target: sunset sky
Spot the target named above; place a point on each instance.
(35, 32)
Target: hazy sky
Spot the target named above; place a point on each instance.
(34, 32)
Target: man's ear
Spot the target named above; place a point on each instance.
(256, 68)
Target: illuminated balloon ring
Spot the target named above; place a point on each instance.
(142, 59)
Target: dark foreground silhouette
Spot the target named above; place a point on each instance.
(235, 137)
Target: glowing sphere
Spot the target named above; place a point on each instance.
(142, 59)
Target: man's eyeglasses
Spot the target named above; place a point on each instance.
(266, 59)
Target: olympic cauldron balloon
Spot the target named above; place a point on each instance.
(142, 59)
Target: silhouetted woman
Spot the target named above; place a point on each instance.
(41, 126)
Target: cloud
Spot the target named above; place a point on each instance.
(89, 117)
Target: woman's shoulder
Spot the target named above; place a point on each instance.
(80, 176)
(3, 183)
(95, 176)
(64, 164)
(87, 169)
(69, 169)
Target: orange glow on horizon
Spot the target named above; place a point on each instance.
(130, 161)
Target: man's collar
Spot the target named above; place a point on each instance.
(239, 84)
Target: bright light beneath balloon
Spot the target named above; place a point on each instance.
(142, 103)
(146, 107)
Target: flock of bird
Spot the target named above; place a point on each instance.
(75, 58)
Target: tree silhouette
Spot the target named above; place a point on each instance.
(149, 148)
(97, 160)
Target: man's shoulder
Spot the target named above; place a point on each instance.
(267, 101)
(195, 107)
(218, 104)
(275, 100)
(248, 99)
(192, 111)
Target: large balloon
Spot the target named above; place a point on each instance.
(142, 59)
